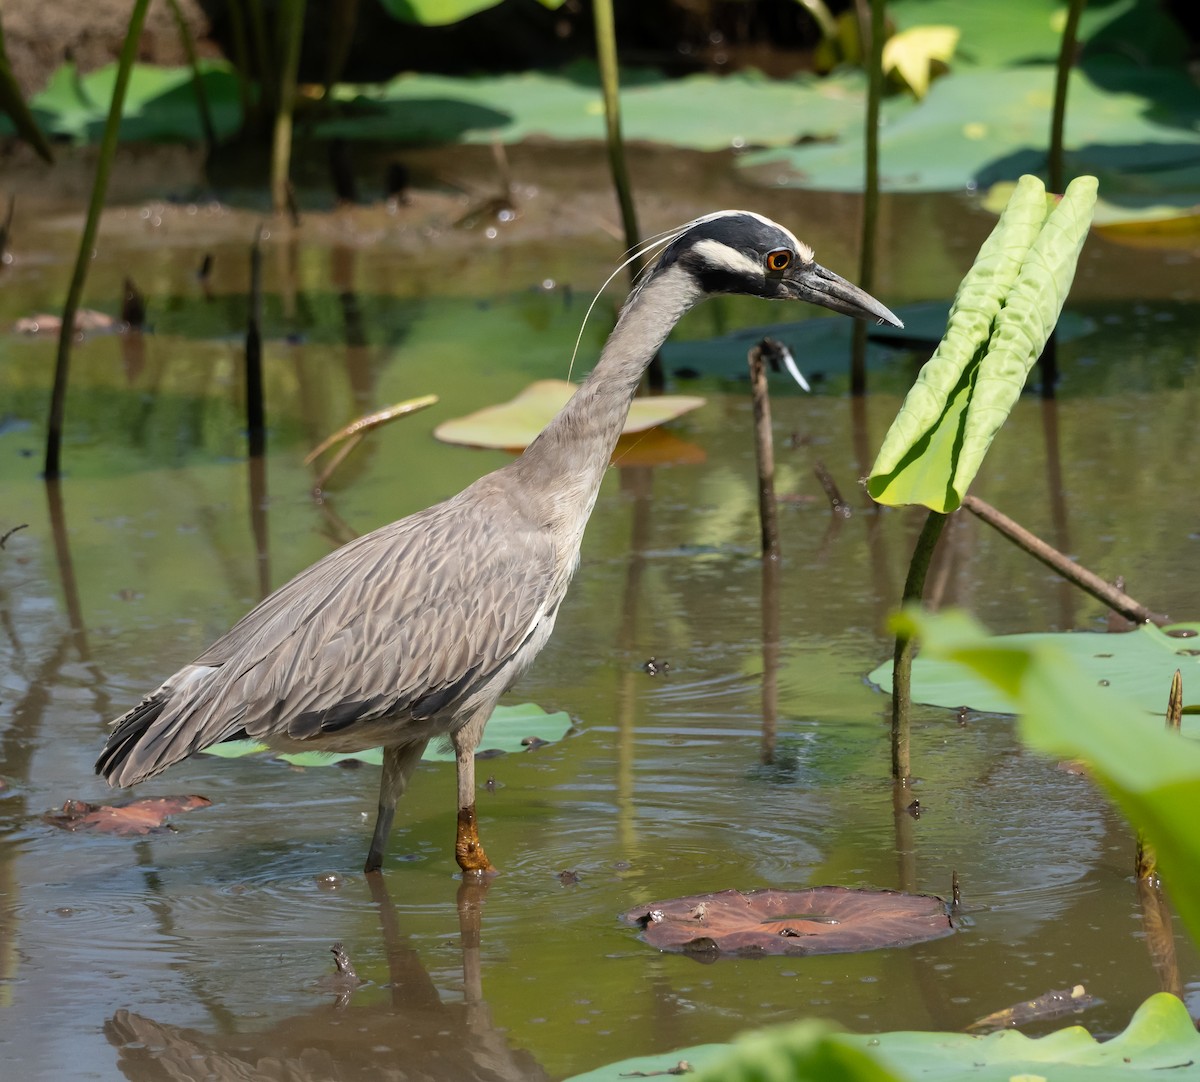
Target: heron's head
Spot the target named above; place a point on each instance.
(737, 251)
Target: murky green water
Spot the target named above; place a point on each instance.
(195, 951)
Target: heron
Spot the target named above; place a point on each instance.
(413, 632)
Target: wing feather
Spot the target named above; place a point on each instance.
(399, 624)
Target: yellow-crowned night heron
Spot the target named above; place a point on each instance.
(415, 630)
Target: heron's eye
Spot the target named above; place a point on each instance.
(779, 260)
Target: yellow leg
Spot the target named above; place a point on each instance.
(468, 849)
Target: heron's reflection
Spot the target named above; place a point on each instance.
(415, 1036)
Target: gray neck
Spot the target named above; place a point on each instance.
(567, 462)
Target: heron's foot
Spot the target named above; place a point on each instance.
(468, 849)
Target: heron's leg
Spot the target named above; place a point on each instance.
(399, 761)
(468, 849)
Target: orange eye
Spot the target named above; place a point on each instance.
(779, 260)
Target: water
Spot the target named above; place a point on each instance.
(201, 949)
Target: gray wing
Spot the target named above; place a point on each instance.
(401, 623)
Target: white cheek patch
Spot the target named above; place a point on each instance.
(721, 255)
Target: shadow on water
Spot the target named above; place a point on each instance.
(415, 1034)
(759, 758)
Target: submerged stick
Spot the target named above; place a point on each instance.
(1092, 583)
(255, 408)
(87, 241)
(764, 450)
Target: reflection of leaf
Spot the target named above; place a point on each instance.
(1003, 313)
(912, 54)
(132, 819)
(821, 920)
(1136, 666)
(516, 424)
(1159, 1037)
(509, 729)
(1153, 774)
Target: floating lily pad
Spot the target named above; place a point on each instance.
(1160, 1037)
(509, 729)
(1136, 665)
(515, 424)
(706, 112)
(821, 920)
(979, 126)
(134, 818)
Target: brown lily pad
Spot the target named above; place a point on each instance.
(128, 820)
(820, 920)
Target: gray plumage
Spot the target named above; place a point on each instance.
(415, 630)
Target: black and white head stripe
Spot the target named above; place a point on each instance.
(728, 247)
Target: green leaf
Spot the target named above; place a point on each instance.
(1159, 1037)
(1153, 774)
(1002, 315)
(705, 112)
(508, 730)
(160, 103)
(1135, 665)
(436, 12)
(1134, 127)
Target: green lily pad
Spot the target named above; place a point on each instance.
(160, 103)
(510, 729)
(979, 126)
(517, 423)
(1153, 774)
(1135, 665)
(444, 12)
(705, 112)
(1159, 1037)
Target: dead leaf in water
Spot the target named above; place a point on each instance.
(127, 820)
(821, 920)
(1051, 1004)
(86, 319)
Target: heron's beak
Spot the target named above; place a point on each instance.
(815, 284)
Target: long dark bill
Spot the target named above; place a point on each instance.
(818, 285)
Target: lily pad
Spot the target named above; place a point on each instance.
(135, 818)
(1160, 1037)
(509, 729)
(976, 127)
(821, 920)
(1135, 665)
(705, 112)
(515, 424)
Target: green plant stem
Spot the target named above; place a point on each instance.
(291, 26)
(241, 58)
(1066, 60)
(870, 220)
(610, 83)
(189, 48)
(104, 160)
(263, 56)
(914, 589)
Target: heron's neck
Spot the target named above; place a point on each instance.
(568, 460)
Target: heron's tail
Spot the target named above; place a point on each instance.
(159, 731)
